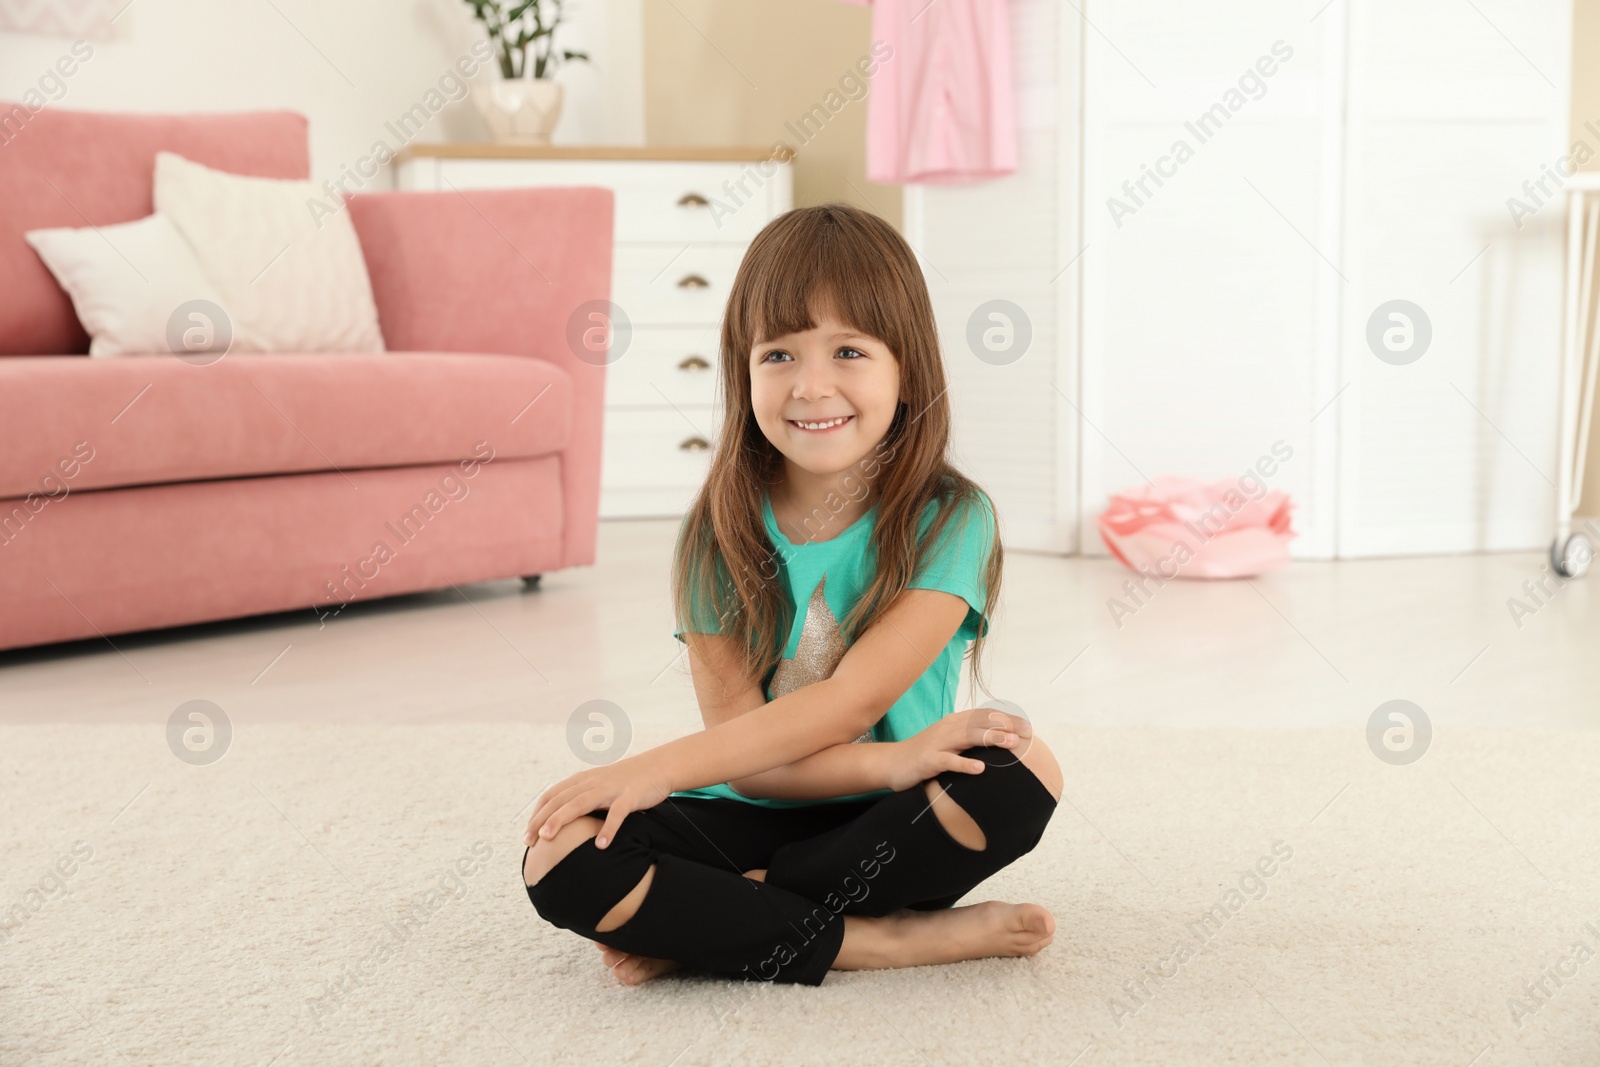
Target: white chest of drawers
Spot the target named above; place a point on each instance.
(672, 268)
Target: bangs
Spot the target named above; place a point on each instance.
(824, 268)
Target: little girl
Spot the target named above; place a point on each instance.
(827, 580)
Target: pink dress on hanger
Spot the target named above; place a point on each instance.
(941, 108)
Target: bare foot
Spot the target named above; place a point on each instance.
(915, 938)
(631, 969)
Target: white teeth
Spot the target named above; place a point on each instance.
(819, 425)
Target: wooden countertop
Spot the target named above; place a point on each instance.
(495, 150)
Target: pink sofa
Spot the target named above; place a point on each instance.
(147, 491)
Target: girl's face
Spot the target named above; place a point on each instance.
(820, 375)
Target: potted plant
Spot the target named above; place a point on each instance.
(519, 108)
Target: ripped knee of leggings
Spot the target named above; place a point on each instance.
(1006, 799)
(588, 882)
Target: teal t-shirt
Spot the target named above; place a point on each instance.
(827, 578)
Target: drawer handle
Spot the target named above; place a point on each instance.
(694, 444)
(693, 363)
(692, 200)
(693, 281)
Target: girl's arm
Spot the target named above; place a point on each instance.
(794, 726)
(875, 671)
(725, 692)
(880, 666)
(840, 771)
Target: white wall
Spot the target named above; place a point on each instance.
(1446, 121)
(350, 66)
(1221, 310)
(1207, 310)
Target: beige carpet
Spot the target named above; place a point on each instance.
(211, 912)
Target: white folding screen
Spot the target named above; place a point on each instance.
(1452, 108)
(999, 257)
(1236, 196)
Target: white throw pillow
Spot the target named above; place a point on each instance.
(133, 284)
(291, 282)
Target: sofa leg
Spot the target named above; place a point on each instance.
(530, 581)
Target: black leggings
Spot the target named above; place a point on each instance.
(864, 857)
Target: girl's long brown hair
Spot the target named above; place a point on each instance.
(836, 257)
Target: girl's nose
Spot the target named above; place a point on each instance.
(813, 383)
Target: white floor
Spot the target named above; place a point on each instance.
(334, 893)
(1317, 644)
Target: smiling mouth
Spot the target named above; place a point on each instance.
(820, 425)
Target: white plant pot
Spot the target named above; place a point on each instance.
(519, 111)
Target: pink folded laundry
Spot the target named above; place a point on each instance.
(1179, 527)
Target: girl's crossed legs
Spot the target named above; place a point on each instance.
(684, 881)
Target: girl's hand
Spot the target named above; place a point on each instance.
(629, 784)
(935, 749)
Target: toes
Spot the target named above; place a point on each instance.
(1034, 928)
(1035, 946)
(1036, 920)
(635, 970)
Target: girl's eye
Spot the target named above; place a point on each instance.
(781, 352)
